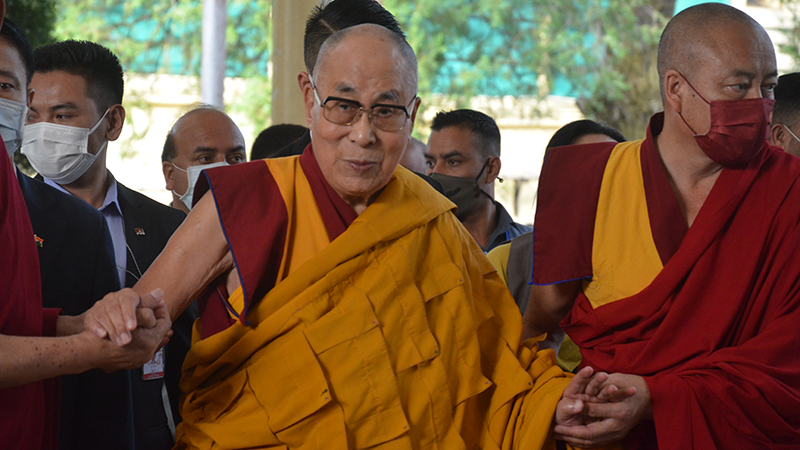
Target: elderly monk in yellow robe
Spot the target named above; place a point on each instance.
(342, 304)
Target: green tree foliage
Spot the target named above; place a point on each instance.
(36, 18)
(166, 37)
(601, 51)
(625, 92)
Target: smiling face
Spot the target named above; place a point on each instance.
(368, 67)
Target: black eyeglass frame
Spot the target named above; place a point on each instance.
(361, 110)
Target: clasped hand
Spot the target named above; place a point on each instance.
(137, 327)
(599, 409)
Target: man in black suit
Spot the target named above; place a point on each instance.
(75, 113)
(76, 260)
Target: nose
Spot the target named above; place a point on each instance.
(362, 132)
(760, 90)
(756, 92)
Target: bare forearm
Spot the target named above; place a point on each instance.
(28, 359)
(196, 254)
(169, 273)
(25, 359)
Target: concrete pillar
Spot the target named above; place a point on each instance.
(214, 57)
(288, 25)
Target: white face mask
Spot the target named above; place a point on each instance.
(60, 152)
(193, 173)
(12, 120)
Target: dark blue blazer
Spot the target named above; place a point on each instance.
(120, 410)
(76, 261)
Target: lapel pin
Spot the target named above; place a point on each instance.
(139, 231)
(39, 241)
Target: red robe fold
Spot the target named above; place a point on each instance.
(261, 269)
(717, 333)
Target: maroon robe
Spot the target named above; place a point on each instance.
(716, 335)
(28, 413)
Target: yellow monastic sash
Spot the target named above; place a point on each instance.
(398, 335)
(622, 229)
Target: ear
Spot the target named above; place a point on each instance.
(673, 82)
(307, 89)
(303, 79)
(169, 173)
(414, 109)
(777, 135)
(493, 169)
(116, 119)
(29, 97)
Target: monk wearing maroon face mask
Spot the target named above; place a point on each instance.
(673, 260)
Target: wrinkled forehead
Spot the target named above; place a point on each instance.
(367, 57)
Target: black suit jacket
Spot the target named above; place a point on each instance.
(76, 261)
(148, 227)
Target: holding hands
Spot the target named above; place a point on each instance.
(135, 328)
(599, 409)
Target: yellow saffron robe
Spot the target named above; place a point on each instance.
(398, 334)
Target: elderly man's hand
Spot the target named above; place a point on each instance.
(586, 387)
(121, 312)
(570, 409)
(610, 407)
(140, 349)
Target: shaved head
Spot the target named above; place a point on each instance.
(373, 32)
(694, 31)
(364, 67)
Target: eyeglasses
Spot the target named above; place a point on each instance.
(342, 111)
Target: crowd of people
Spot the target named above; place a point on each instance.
(359, 288)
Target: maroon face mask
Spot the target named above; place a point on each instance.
(739, 129)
